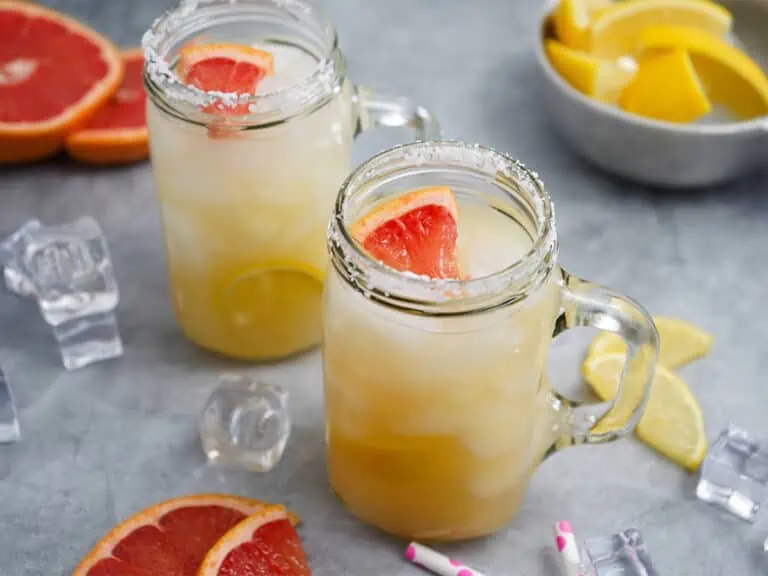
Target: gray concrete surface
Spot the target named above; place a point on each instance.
(101, 443)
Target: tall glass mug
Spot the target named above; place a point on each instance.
(437, 407)
(245, 199)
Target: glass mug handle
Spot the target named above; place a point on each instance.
(589, 305)
(374, 110)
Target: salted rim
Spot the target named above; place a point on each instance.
(443, 296)
(288, 100)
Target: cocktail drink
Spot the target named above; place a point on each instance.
(442, 298)
(251, 118)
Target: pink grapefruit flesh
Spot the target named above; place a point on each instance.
(414, 233)
(169, 539)
(265, 544)
(55, 73)
(117, 133)
(230, 68)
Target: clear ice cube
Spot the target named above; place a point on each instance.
(13, 280)
(245, 423)
(67, 268)
(9, 424)
(17, 283)
(734, 474)
(624, 553)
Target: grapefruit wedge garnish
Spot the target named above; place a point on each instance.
(117, 133)
(414, 233)
(221, 67)
(168, 539)
(263, 544)
(54, 74)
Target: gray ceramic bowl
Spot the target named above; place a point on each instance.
(661, 153)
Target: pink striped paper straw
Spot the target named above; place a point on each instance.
(436, 562)
(568, 549)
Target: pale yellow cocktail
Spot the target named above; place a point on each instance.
(430, 421)
(436, 398)
(245, 219)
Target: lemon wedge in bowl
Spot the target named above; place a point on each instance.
(572, 23)
(672, 422)
(680, 343)
(618, 31)
(730, 77)
(604, 80)
(667, 88)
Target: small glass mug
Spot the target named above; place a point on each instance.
(245, 202)
(437, 405)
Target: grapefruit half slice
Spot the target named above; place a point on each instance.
(224, 67)
(117, 133)
(415, 233)
(170, 538)
(54, 74)
(263, 544)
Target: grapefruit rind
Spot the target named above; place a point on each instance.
(110, 146)
(439, 195)
(105, 546)
(237, 535)
(28, 141)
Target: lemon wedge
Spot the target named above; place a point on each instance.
(679, 343)
(666, 88)
(730, 77)
(596, 8)
(617, 31)
(572, 23)
(596, 5)
(603, 80)
(598, 12)
(672, 422)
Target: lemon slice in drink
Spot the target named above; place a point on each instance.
(672, 422)
(731, 78)
(273, 309)
(617, 31)
(666, 88)
(680, 343)
(601, 79)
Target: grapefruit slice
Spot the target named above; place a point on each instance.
(265, 544)
(117, 133)
(415, 233)
(168, 539)
(54, 74)
(222, 67)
